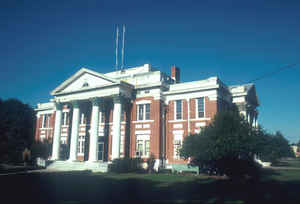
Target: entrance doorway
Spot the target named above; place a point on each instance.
(100, 151)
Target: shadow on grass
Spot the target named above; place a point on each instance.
(84, 187)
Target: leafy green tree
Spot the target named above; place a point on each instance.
(274, 147)
(226, 146)
(16, 129)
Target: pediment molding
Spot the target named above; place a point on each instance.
(84, 79)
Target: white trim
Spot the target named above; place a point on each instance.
(176, 121)
(188, 119)
(142, 121)
(44, 112)
(178, 126)
(138, 126)
(143, 102)
(200, 124)
(200, 119)
(46, 128)
(178, 132)
(142, 132)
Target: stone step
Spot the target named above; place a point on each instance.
(69, 166)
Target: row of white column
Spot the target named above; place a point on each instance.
(116, 138)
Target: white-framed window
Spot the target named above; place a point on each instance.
(200, 107)
(143, 148)
(83, 119)
(143, 111)
(81, 143)
(177, 146)
(178, 109)
(65, 118)
(122, 145)
(122, 114)
(101, 117)
(48, 120)
(44, 119)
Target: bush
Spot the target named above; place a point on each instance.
(126, 165)
(41, 149)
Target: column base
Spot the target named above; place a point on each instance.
(92, 161)
(70, 160)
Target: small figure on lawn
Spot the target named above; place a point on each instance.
(26, 156)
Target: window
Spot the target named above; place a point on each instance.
(147, 147)
(178, 109)
(147, 115)
(101, 117)
(143, 148)
(143, 112)
(122, 145)
(65, 118)
(122, 114)
(200, 107)
(44, 119)
(177, 146)
(48, 120)
(81, 143)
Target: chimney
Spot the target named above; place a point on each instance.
(175, 73)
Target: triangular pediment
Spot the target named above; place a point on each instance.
(84, 79)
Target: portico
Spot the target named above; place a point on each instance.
(104, 98)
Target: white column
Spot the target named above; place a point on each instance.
(256, 122)
(188, 119)
(94, 130)
(74, 133)
(116, 137)
(57, 131)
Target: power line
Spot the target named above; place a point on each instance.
(274, 72)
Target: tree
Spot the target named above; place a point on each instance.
(16, 129)
(274, 147)
(226, 146)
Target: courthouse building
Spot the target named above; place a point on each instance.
(134, 112)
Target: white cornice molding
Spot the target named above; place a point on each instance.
(202, 88)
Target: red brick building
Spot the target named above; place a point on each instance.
(134, 112)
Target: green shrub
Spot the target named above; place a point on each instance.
(126, 165)
(41, 149)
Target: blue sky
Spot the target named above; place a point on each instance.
(45, 42)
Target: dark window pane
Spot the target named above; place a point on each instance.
(147, 111)
(140, 112)
(201, 107)
(178, 110)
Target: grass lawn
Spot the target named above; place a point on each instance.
(276, 186)
(289, 163)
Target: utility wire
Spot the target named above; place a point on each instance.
(274, 72)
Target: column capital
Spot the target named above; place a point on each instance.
(75, 103)
(118, 98)
(95, 101)
(58, 105)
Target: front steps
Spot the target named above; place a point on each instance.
(78, 166)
